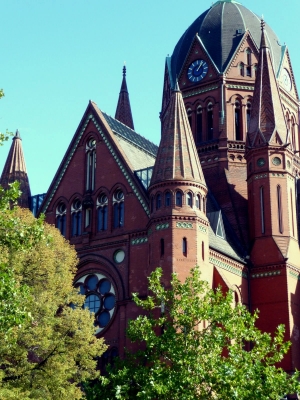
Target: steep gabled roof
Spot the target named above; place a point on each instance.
(123, 112)
(267, 116)
(129, 149)
(15, 170)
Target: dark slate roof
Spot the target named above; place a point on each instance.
(229, 245)
(131, 136)
(221, 30)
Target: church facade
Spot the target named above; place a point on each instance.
(220, 191)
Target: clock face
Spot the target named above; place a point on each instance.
(286, 80)
(197, 70)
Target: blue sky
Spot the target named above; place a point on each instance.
(56, 55)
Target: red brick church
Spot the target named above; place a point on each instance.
(220, 191)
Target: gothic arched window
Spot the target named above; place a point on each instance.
(102, 212)
(189, 199)
(118, 207)
(90, 163)
(199, 136)
(189, 114)
(279, 206)
(242, 68)
(198, 202)
(238, 121)
(158, 201)
(210, 126)
(76, 212)
(61, 216)
(178, 198)
(262, 209)
(249, 61)
(168, 199)
(184, 246)
(248, 114)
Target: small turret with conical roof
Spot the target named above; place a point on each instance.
(179, 226)
(123, 112)
(15, 170)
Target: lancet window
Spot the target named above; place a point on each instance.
(189, 199)
(199, 135)
(242, 68)
(158, 201)
(238, 121)
(189, 114)
(178, 198)
(61, 216)
(102, 212)
(210, 127)
(249, 61)
(279, 205)
(262, 209)
(168, 199)
(248, 114)
(90, 164)
(76, 213)
(118, 208)
(184, 246)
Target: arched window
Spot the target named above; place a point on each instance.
(61, 212)
(237, 121)
(292, 211)
(203, 253)
(204, 205)
(178, 198)
(118, 207)
(242, 69)
(90, 164)
(189, 199)
(262, 209)
(249, 61)
(293, 133)
(184, 246)
(102, 212)
(199, 136)
(198, 202)
(168, 199)
(158, 201)
(76, 212)
(279, 205)
(255, 70)
(210, 127)
(189, 114)
(152, 204)
(162, 247)
(248, 114)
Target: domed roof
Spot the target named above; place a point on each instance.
(221, 29)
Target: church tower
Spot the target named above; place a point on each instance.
(123, 112)
(178, 224)
(15, 170)
(272, 208)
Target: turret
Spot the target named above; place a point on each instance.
(15, 170)
(178, 222)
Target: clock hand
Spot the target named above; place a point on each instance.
(200, 65)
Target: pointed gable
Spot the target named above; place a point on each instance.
(123, 112)
(267, 115)
(15, 170)
(177, 157)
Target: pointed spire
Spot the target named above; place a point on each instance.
(15, 170)
(267, 116)
(123, 112)
(177, 157)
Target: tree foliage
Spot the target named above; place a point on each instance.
(196, 345)
(47, 341)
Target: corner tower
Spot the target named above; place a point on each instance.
(178, 224)
(272, 209)
(15, 170)
(123, 112)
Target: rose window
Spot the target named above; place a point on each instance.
(100, 298)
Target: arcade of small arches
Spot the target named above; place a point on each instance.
(178, 199)
(202, 116)
(109, 213)
(247, 68)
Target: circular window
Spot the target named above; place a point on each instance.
(92, 142)
(77, 204)
(261, 162)
(276, 161)
(102, 199)
(61, 208)
(119, 256)
(100, 298)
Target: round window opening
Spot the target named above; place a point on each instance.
(100, 298)
(276, 161)
(261, 162)
(119, 256)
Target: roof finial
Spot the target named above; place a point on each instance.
(176, 88)
(262, 23)
(17, 135)
(124, 69)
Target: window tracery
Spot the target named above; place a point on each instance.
(118, 208)
(90, 164)
(102, 212)
(76, 213)
(61, 215)
(210, 127)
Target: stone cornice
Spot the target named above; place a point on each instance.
(227, 264)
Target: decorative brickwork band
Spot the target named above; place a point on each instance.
(186, 225)
(139, 241)
(159, 227)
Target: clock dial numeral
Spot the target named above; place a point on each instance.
(197, 70)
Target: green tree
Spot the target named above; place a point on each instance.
(51, 347)
(196, 344)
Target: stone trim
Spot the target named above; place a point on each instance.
(202, 228)
(266, 274)
(240, 87)
(228, 265)
(141, 240)
(195, 91)
(186, 225)
(160, 227)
